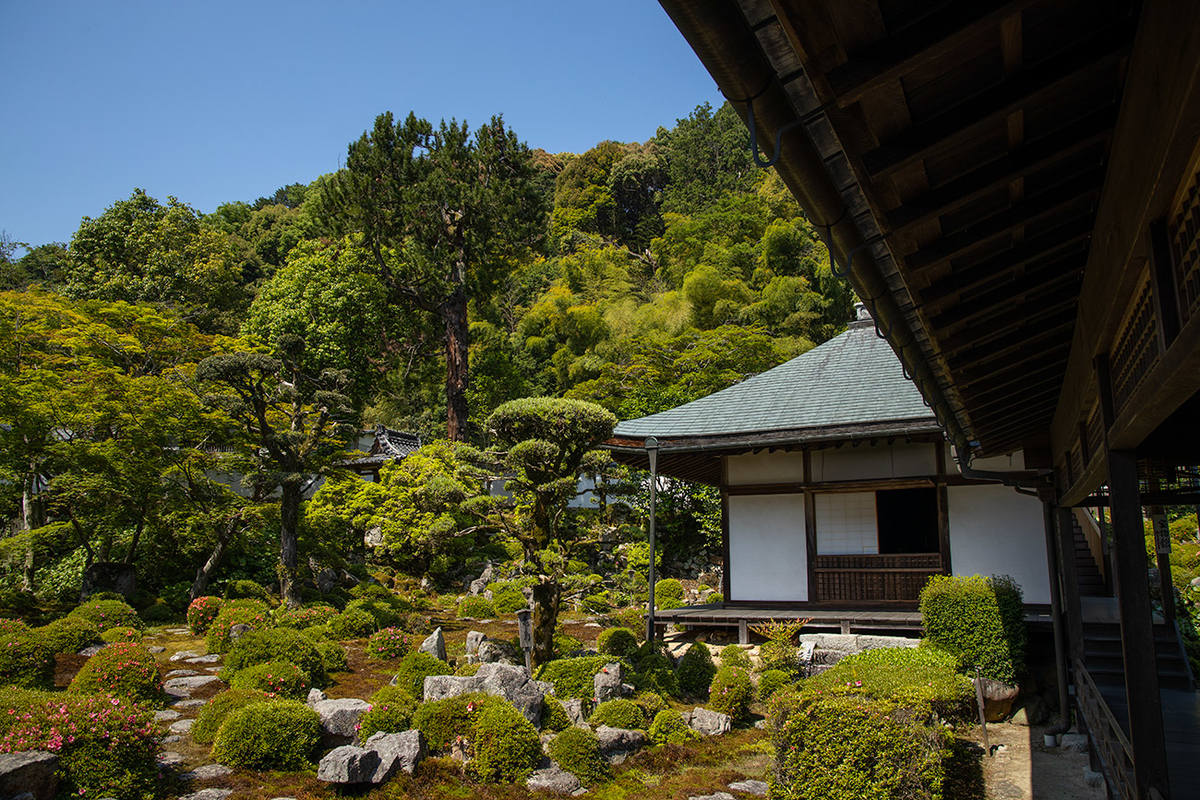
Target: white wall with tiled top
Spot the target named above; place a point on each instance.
(846, 524)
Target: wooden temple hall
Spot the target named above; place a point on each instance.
(1012, 189)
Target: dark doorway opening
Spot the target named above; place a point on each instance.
(907, 520)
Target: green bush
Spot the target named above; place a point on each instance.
(201, 613)
(252, 613)
(248, 590)
(617, 642)
(121, 635)
(476, 607)
(105, 614)
(387, 644)
(9, 625)
(156, 612)
(333, 656)
(919, 678)
(654, 672)
(770, 682)
(306, 617)
(669, 728)
(317, 633)
(554, 716)
(650, 703)
(668, 593)
(68, 635)
(574, 677)
(25, 661)
(392, 709)
(716, 597)
(353, 624)
(618, 713)
(733, 655)
(214, 712)
(442, 720)
(696, 670)
(599, 603)
(565, 644)
(509, 601)
(276, 644)
(781, 656)
(279, 734)
(506, 745)
(731, 693)
(415, 668)
(273, 678)
(853, 746)
(387, 611)
(981, 621)
(123, 669)
(577, 750)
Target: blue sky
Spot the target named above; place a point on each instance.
(218, 101)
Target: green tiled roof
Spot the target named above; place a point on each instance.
(853, 379)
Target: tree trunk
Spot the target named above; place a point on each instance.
(289, 523)
(200, 585)
(546, 597)
(30, 519)
(454, 311)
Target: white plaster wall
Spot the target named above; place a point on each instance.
(995, 531)
(768, 553)
(868, 462)
(759, 468)
(846, 523)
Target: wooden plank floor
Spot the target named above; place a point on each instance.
(1181, 728)
(846, 620)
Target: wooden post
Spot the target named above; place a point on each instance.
(1056, 615)
(1070, 573)
(1162, 558)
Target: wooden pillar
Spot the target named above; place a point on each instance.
(1137, 627)
(1056, 613)
(1070, 575)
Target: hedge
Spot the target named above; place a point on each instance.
(981, 621)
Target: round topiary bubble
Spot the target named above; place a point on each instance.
(306, 617)
(353, 624)
(577, 750)
(105, 614)
(731, 693)
(770, 682)
(617, 642)
(669, 728)
(554, 716)
(214, 712)
(248, 590)
(980, 620)
(392, 709)
(333, 656)
(668, 593)
(415, 668)
(123, 669)
(250, 613)
(509, 601)
(779, 655)
(574, 677)
(274, 678)
(618, 713)
(506, 745)
(385, 611)
(696, 670)
(201, 613)
(69, 634)
(476, 607)
(276, 644)
(387, 644)
(733, 655)
(650, 703)
(121, 635)
(442, 721)
(655, 672)
(923, 679)
(279, 734)
(25, 661)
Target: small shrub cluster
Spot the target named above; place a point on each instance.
(779, 656)
(251, 613)
(618, 713)
(654, 671)
(981, 621)
(668, 593)
(669, 728)
(770, 682)
(353, 624)
(69, 634)
(214, 712)
(278, 734)
(920, 678)
(650, 703)
(333, 656)
(696, 670)
(506, 745)
(476, 607)
(442, 721)
(105, 614)
(573, 677)
(577, 750)
(392, 709)
(122, 669)
(276, 644)
(732, 655)
(386, 609)
(274, 679)
(387, 644)
(121, 635)
(617, 642)
(554, 716)
(201, 612)
(306, 617)
(509, 601)
(415, 668)
(248, 590)
(731, 693)
(25, 661)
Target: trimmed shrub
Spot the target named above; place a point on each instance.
(441, 721)
(317, 633)
(275, 644)
(565, 644)
(273, 678)
(577, 750)
(333, 656)
(668, 593)
(918, 678)
(467, 670)
(669, 728)
(696, 670)
(509, 601)
(105, 614)
(731, 693)
(770, 682)
(387, 644)
(121, 635)
(392, 709)
(618, 713)
(733, 655)
(415, 668)
(476, 607)
(158, 611)
(716, 597)
(214, 712)
(617, 642)
(306, 617)
(252, 613)
(355, 624)
(781, 656)
(980, 621)
(68, 635)
(25, 661)
(123, 669)
(554, 716)
(107, 746)
(248, 590)
(202, 611)
(573, 677)
(386, 611)
(9, 625)
(650, 703)
(279, 734)
(506, 745)
(655, 672)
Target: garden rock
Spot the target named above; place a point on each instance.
(156, 649)
(435, 645)
(172, 739)
(181, 673)
(188, 703)
(29, 771)
(169, 759)
(396, 752)
(166, 716)
(479, 585)
(238, 631)
(182, 727)
(208, 772)
(182, 654)
(111, 577)
(315, 696)
(348, 764)
(474, 640)
(609, 683)
(709, 722)
(176, 631)
(758, 788)
(210, 658)
(339, 719)
(574, 709)
(618, 742)
(183, 687)
(494, 652)
(326, 580)
(1074, 742)
(1033, 711)
(91, 650)
(713, 796)
(552, 779)
(500, 680)
(208, 794)
(998, 699)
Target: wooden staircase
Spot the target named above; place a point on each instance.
(1091, 581)
(1102, 655)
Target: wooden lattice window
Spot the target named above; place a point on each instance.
(1137, 346)
(1184, 234)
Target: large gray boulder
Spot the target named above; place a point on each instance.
(500, 680)
(397, 752)
(758, 788)
(479, 585)
(609, 683)
(109, 576)
(709, 722)
(32, 771)
(616, 742)
(552, 779)
(575, 712)
(348, 764)
(474, 639)
(435, 645)
(493, 652)
(339, 719)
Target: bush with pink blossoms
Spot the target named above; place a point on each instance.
(387, 644)
(123, 669)
(274, 679)
(25, 660)
(202, 612)
(105, 614)
(251, 613)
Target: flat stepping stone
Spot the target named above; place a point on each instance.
(182, 654)
(213, 670)
(166, 716)
(181, 673)
(156, 649)
(172, 739)
(208, 772)
(182, 727)
(210, 658)
(189, 703)
(176, 631)
(750, 787)
(183, 687)
(170, 759)
(713, 796)
(91, 650)
(208, 794)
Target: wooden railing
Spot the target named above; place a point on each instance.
(1137, 348)
(1110, 741)
(1094, 539)
(1184, 235)
(875, 578)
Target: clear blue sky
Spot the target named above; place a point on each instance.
(217, 101)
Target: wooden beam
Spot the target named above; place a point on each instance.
(981, 404)
(1036, 368)
(1049, 288)
(962, 354)
(1018, 407)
